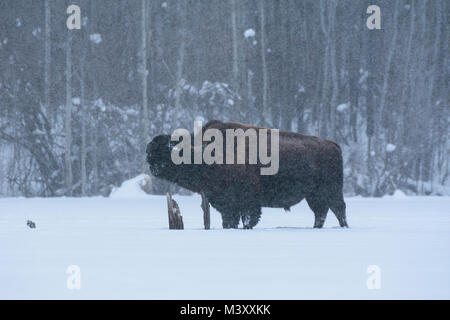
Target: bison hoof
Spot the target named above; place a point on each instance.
(229, 226)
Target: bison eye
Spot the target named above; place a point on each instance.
(172, 144)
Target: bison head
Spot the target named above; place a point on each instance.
(158, 157)
(161, 165)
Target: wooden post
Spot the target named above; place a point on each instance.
(175, 218)
(206, 213)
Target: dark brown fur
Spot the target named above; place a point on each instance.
(309, 168)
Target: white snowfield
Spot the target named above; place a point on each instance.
(125, 251)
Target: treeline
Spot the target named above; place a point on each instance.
(77, 107)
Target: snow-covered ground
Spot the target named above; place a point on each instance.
(125, 250)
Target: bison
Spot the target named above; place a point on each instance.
(310, 168)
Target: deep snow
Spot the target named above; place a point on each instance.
(125, 250)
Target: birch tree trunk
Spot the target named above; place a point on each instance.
(145, 119)
(354, 87)
(387, 70)
(406, 76)
(94, 93)
(235, 70)
(301, 127)
(181, 52)
(265, 111)
(402, 136)
(323, 101)
(47, 60)
(95, 176)
(83, 125)
(429, 100)
(68, 117)
(334, 77)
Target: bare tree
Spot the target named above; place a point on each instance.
(145, 114)
(324, 105)
(83, 104)
(334, 76)
(68, 117)
(47, 49)
(390, 55)
(262, 19)
(181, 8)
(235, 71)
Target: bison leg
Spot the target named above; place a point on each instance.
(230, 220)
(230, 215)
(338, 208)
(320, 208)
(250, 217)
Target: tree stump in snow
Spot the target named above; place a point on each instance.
(175, 218)
(206, 213)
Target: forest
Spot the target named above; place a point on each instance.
(77, 107)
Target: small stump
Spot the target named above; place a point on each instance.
(31, 224)
(175, 218)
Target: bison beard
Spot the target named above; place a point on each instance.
(309, 168)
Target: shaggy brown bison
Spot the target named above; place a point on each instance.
(309, 168)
